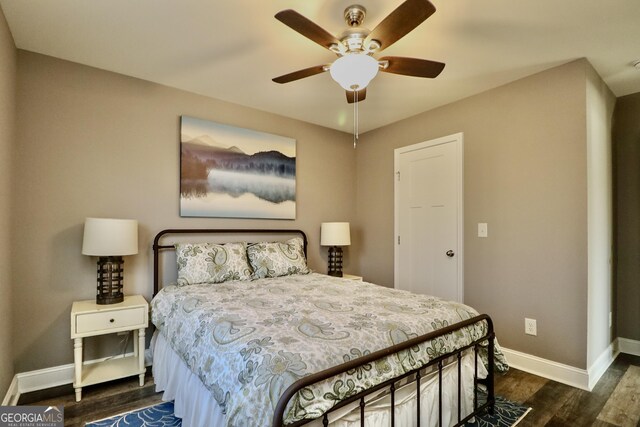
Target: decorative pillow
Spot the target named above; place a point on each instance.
(211, 263)
(278, 258)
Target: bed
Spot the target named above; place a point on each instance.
(277, 345)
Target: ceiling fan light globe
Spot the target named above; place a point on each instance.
(354, 71)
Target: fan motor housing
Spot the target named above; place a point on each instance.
(353, 38)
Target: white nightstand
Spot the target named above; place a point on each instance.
(89, 319)
(352, 277)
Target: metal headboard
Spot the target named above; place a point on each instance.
(157, 246)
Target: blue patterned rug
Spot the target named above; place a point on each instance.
(506, 414)
(159, 415)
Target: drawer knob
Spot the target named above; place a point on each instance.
(112, 320)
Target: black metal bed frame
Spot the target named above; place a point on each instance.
(412, 376)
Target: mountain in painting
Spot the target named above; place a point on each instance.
(205, 140)
(202, 154)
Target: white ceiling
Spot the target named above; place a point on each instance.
(230, 50)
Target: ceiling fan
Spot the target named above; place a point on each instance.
(355, 47)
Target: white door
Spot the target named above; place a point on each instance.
(428, 218)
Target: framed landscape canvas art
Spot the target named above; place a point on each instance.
(230, 172)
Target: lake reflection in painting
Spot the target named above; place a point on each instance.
(231, 172)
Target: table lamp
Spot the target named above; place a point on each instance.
(110, 239)
(335, 235)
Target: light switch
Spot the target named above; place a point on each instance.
(482, 229)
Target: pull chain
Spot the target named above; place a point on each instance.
(355, 118)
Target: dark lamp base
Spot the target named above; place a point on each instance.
(110, 280)
(109, 300)
(335, 261)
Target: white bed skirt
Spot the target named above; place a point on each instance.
(196, 406)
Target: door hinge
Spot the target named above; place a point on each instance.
(398, 175)
(398, 239)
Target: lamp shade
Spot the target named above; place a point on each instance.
(335, 234)
(110, 237)
(354, 71)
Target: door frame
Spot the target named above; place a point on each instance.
(458, 140)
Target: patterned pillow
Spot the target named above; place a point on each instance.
(278, 258)
(212, 263)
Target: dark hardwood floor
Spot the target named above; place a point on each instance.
(615, 401)
(99, 401)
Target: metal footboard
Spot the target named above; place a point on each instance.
(414, 375)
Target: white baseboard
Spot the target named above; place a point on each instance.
(565, 374)
(12, 396)
(602, 363)
(42, 379)
(45, 378)
(629, 346)
(555, 371)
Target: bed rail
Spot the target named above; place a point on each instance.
(157, 247)
(413, 376)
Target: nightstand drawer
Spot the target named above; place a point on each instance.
(96, 322)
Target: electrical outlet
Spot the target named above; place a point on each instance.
(530, 327)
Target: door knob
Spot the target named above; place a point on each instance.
(450, 253)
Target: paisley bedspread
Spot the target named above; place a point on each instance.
(249, 340)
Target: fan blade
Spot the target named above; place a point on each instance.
(307, 28)
(400, 22)
(412, 66)
(351, 95)
(300, 74)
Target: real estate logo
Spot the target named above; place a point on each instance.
(31, 416)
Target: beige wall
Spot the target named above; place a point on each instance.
(95, 143)
(626, 137)
(8, 63)
(600, 105)
(525, 163)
